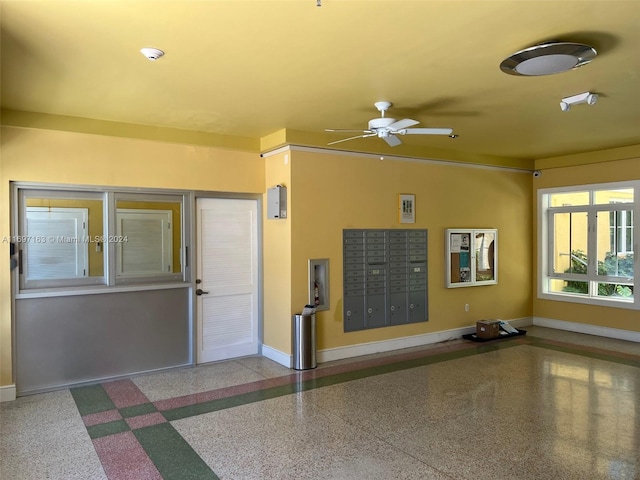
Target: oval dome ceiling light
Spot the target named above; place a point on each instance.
(548, 58)
(152, 53)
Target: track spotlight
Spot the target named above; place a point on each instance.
(586, 97)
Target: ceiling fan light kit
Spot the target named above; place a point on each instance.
(548, 58)
(388, 128)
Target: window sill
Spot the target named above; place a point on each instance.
(602, 302)
(94, 290)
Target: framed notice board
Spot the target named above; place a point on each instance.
(471, 257)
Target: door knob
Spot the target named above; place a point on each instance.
(200, 292)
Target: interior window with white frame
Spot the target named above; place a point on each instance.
(148, 241)
(56, 238)
(587, 244)
(81, 238)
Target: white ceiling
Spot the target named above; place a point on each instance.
(250, 68)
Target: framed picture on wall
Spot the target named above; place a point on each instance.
(407, 208)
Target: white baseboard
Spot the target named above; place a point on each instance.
(521, 322)
(7, 393)
(588, 329)
(350, 351)
(277, 356)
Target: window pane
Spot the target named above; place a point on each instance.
(568, 199)
(568, 286)
(615, 290)
(68, 231)
(149, 237)
(485, 255)
(143, 242)
(58, 250)
(570, 243)
(623, 195)
(615, 240)
(616, 265)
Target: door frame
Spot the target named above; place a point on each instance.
(193, 261)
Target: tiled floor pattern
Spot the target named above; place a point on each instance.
(133, 439)
(550, 406)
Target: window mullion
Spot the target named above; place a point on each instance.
(550, 243)
(592, 244)
(634, 244)
(110, 229)
(592, 247)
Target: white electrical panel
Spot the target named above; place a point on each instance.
(277, 202)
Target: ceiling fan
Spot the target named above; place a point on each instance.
(387, 128)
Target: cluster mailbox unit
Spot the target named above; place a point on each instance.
(385, 278)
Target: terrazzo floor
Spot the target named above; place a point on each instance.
(548, 405)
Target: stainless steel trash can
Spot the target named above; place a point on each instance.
(304, 342)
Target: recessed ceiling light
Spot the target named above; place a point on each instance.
(152, 53)
(548, 58)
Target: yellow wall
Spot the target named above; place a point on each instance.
(583, 173)
(277, 261)
(51, 156)
(327, 193)
(332, 192)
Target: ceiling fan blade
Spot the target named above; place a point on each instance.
(425, 131)
(352, 138)
(404, 123)
(392, 140)
(341, 130)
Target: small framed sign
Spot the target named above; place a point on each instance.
(406, 208)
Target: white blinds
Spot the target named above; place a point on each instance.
(144, 242)
(57, 243)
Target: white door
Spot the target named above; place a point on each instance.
(227, 276)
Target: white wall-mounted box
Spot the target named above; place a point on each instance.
(277, 202)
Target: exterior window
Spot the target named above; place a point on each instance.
(588, 243)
